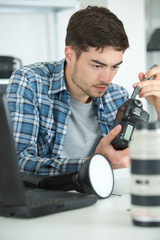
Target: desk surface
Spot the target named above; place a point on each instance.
(107, 219)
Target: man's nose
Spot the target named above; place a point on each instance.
(105, 75)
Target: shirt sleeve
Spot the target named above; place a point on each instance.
(24, 111)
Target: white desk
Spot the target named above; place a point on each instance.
(107, 219)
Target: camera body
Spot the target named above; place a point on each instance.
(128, 115)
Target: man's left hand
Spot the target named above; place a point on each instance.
(150, 89)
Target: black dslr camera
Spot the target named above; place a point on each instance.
(128, 115)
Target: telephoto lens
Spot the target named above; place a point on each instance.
(145, 174)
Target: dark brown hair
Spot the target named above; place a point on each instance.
(95, 27)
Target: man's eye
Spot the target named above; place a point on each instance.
(96, 66)
(115, 67)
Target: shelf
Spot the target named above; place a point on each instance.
(37, 5)
(4, 81)
(3, 84)
(40, 3)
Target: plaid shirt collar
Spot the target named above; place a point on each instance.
(57, 83)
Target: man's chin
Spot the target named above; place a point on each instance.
(97, 95)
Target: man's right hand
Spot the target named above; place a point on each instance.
(117, 158)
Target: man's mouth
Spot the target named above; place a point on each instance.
(101, 88)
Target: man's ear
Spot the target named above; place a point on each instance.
(69, 55)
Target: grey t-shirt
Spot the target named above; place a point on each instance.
(83, 133)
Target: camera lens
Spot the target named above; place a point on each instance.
(145, 174)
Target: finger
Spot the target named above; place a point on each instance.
(149, 83)
(150, 86)
(141, 76)
(150, 93)
(112, 134)
(153, 72)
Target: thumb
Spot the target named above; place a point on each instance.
(141, 76)
(113, 133)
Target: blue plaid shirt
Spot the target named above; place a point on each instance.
(39, 105)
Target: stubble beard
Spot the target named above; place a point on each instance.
(86, 91)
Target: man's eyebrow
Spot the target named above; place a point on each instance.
(119, 63)
(104, 64)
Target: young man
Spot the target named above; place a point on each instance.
(62, 112)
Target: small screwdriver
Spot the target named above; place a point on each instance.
(137, 88)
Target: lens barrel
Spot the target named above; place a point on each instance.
(145, 174)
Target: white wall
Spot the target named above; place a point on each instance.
(24, 36)
(34, 34)
(62, 20)
(132, 14)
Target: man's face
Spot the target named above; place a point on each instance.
(94, 70)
